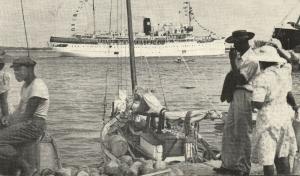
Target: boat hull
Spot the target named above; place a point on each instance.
(215, 47)
(40, 155)
(289, 37)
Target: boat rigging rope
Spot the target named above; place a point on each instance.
(197, 82)
(117, 17)
(149, 74)
(110, 16)
(204, 28)
(122, 58)
(121, 72)
(186, 83)
(121, 17)
(151, 78)
(86, 19)
(126, 68)
(146, 81)
(289, 13)
(160, 80)
(117, 75)
(105, 94)
(24, 24)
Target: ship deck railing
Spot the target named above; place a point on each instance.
(137, 41)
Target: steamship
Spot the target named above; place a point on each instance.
(167, 40)
(289, 35)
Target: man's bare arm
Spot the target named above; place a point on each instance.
(32, 105)
(4, 103)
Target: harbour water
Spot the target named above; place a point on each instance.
(78, 87)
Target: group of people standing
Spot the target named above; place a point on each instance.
(259, 81)
(28, 122)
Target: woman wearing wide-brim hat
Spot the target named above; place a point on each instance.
(274, 137)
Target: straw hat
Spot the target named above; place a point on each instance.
(239, 35)
(276, 42)
(268, 54)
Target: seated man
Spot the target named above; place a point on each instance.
(31, 116)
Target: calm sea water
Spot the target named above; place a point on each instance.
(77, 90)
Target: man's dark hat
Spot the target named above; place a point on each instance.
(239, 35)
(23, 61)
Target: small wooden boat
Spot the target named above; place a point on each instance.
(144, 140)
(181, 60)
(41, 155)
(151, 137)
(128, 133)
(151, 140)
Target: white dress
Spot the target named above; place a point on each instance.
(274, 132)
(4, 87)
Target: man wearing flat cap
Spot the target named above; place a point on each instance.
(236, 144)
(31, 114)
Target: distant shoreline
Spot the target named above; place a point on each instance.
(24, 48)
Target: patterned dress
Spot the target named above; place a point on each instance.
(274, 132)
(4, 81)
(4, 87)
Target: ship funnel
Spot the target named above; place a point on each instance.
(147, 26)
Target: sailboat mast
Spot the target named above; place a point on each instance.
(131, 47)
(94, 18)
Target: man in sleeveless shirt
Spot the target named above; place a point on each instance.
(31, 114)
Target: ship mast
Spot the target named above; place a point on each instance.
(131, 47)
(110, 17)
(94, 18)
(189, 12)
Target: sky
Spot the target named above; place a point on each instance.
(45, 18)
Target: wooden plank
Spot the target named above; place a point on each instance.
(49, 154)
(206, 168)
(57, 154)
(155, 151)
(109, 155)
(158, 172)
(139, 149)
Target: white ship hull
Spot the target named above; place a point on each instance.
(216, 47)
